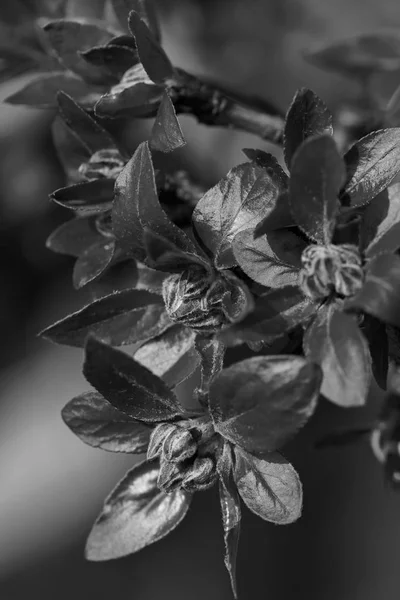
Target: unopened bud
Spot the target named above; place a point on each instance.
(179, 445)
(170, 476)
(201, 475)
(158, 436)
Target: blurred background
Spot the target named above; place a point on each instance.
(347, 545)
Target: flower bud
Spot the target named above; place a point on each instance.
(170, 476)
(327, 269)
(107, 162)
(158, 436)
(201, 475)
(179, 445)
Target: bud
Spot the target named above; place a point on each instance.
(194, 299)
(327, 269)
(179, 445)
(201, 475)
(158, 436)
(170, 476)
(107, 163)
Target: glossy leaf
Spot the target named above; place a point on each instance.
(138, 100)
(111, 59)
(371, 163)
(69, 149)
(360, 55)
(383, 236)
(317, 174)
(273, 260)
(166, 134)
(307, 116)
(231, 513)
(67, 38)
(274, 314)
(90, 196)
(125, 317)
(380, 294)
(153, 58)
(137, 206)
(90, 133)
(280, 216)
(269, 486)
(334, 341)
(74, 236)
(238, 202)
(135, 515)
(271, 166)
(93, 262)
(42, 91)
(100, 425)
(127, 385)
(145, 10)
(171, 355)
(261, 402)
(164, 255)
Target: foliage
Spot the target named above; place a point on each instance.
(300, 262)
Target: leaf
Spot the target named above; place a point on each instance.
(166, 134)
(375, 332)
(269, 486)
(125, 317)
(238, 202)
(381, 223)
(371, 163)
(135, 515)
(317, 175)
(90, 133)
(100, 425)
(171, 355)
(380, 294)
(153, 58)
(273, 260)
(69, 150)
(89, 196)
(261, 402)
(271, 165)
(42, 91)
(127, 385)
(231, 513)
(307, 116)
(113, 60)
(334, 341)
(360, 55)
(137, 100)
(93, 262)
(211, 352)
(280, 216)
(74, 236)
(67, 38)
(163, 255)
(145, 10)
(136, 206)
(274, 314)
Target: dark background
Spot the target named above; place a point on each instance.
(347, 545)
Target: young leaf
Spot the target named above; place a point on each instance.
(360, 55)
(67, 38)
(238, 202)
(135, 515)
(231, 513)
(317, 175)
(112, 59)
(166, 134)
(334, 341)
(383, 236)
(171, 355)
(163, 255)
(380, 294)
(269, 486)
(127, 385)
(125, 317)
(153, 58)
(271, 165)
(90, 133)
(273, 260)
(371, 164)
(42, 91)
(74, 236)
(136, 206)
(260, 403)
(93, 262)
(307, 116)
(274, 314)
(145, 10)
(90, 196)
(137, 100)
(100, 425)
(211, 352)
(280, 216)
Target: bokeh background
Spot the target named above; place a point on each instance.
(347, 545)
